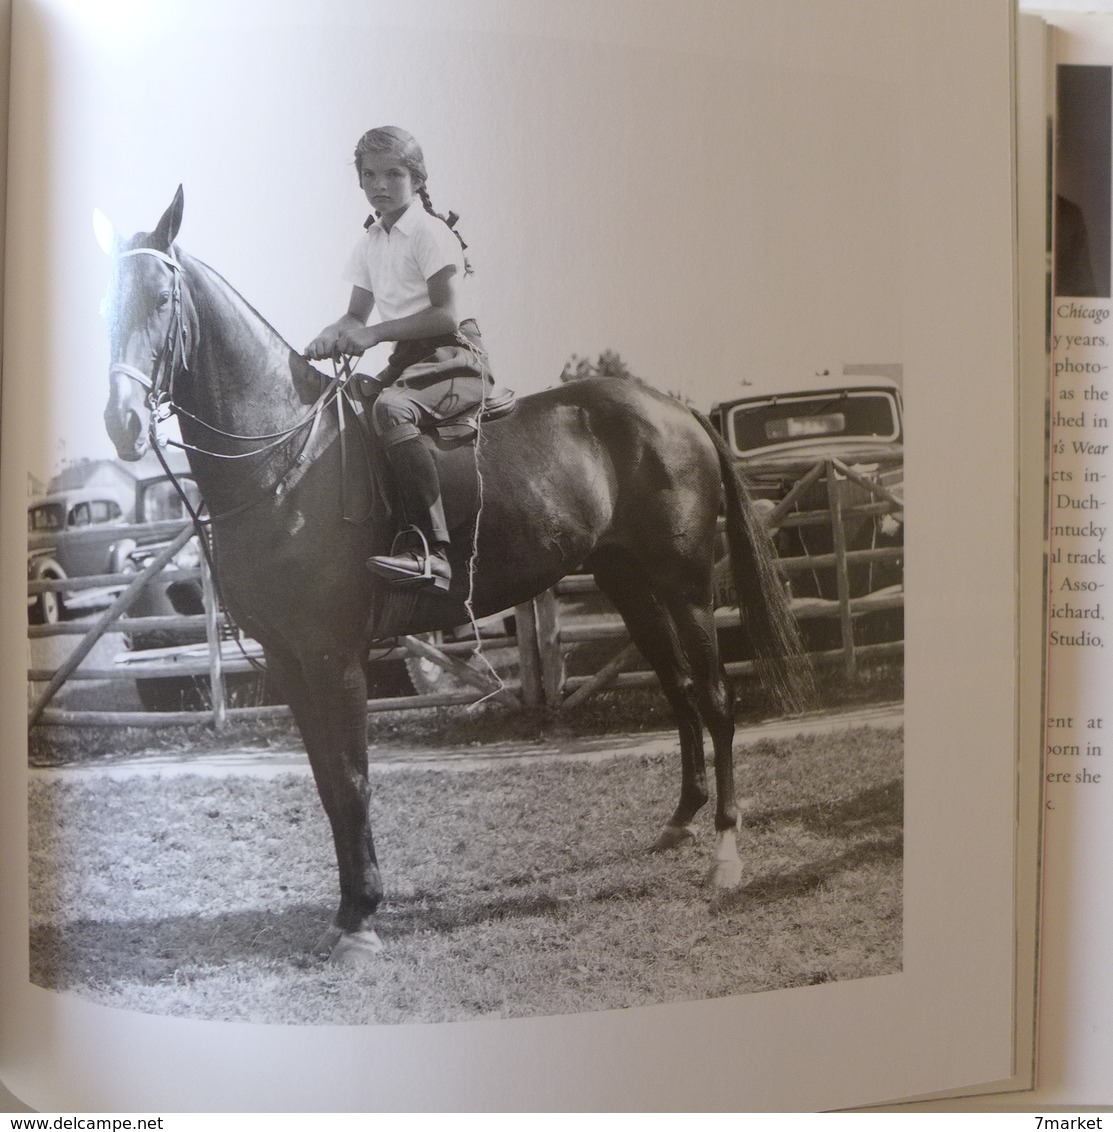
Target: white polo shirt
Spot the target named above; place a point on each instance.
(395, 266)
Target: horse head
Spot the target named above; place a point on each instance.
(148, 328)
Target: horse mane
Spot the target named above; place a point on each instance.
(306, 378)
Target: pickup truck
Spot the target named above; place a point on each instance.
(778, 438)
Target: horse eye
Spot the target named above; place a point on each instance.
(163, 299)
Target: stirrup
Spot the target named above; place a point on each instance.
(393, 568)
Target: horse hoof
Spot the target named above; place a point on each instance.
(672, 837)
(355, 948)
(323, 947)
(724, 875)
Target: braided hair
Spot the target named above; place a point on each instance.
(404, 147)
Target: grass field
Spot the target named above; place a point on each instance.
(514, 891)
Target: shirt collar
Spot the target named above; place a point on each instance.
(405, 223)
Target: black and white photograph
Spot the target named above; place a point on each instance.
(1083, 150)
(466, 523)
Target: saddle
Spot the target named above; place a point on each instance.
(446, 362)
(464, 427)
(368, 484)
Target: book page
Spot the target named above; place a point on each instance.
(729, 196)
(5, 68)
(1076, 1026)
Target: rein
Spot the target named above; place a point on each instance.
(171, 360)
(159, 385)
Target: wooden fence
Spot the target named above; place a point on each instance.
(545, 628)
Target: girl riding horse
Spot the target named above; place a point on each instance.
(410, 265)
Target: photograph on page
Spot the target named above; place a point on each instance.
(531, 420)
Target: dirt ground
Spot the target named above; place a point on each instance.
(254, 762)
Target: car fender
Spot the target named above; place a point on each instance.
(44, 567)
(119, 554)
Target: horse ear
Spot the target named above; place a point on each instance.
(167, 231)
(107, 240)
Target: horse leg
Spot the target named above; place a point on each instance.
(651, 629)
(695, 627)
(328, 697)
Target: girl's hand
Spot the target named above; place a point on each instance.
(356, 341)
(324, 345)
(337, 338)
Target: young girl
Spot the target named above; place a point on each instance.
(410, 265)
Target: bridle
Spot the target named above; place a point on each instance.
(170, 362)
(159, 384)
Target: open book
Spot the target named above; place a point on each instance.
(739, 204)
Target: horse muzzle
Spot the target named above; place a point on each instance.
(127, 418)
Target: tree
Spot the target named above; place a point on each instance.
(608, 364)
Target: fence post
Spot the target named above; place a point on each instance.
(842, 576)
(529, 655)
(540, 657)
(547, 625)
(212, 636)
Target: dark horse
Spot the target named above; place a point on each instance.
(605, 475)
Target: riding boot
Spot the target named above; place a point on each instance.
(420, 554)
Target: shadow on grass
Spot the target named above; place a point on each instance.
(809, 877)
(155, 952)
(860, 830)
(874, 810)
(151, 952)
(869, 823)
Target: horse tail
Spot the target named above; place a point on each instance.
(763, 604)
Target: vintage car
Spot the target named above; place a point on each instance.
(73, 534)
(852, 430)
(176, 591)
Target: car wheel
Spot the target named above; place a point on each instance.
(191, 693)
(173, 693)
(388, 679)
(47, 607)
(247, 689)
(426, 676)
